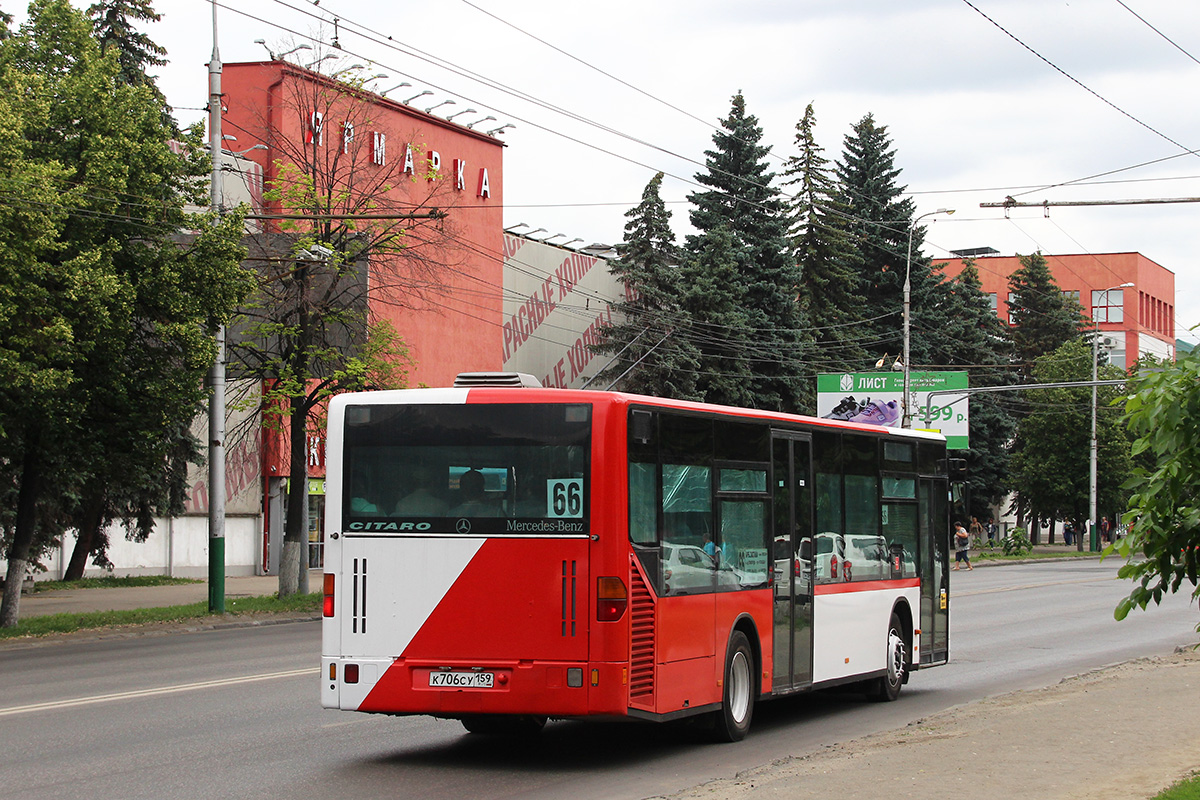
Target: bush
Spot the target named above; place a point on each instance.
(1017, 543)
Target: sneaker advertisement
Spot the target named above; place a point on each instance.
(876, 398)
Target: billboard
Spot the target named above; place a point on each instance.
(875, 398)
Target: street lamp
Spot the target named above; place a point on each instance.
(906, 419)
(1093, 538)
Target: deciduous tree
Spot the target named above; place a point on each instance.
(374, 232)
(1162, 547)
(105, 310)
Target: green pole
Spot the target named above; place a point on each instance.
(216, 575)
(1095, 536)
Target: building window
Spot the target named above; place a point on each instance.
(1071, 293)
(993, 301)
(1108, 305)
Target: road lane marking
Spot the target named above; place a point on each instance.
(182, 687)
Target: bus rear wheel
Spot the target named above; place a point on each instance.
(887, 687)
(502, 725)
(732, 722)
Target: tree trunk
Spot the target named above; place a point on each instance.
(88, 530)
(23, 530)
(1050, 537)
(293, 567)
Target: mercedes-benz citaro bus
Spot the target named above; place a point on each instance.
(505, 554)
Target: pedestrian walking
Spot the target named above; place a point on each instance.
(991, 531)
(976, 532)
(962, 546)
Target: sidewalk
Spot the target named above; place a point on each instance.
(1121, 732)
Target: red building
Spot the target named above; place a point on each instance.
(416, 160)
(442, 292)
(1129, 297)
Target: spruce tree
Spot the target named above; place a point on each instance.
(113, 25)
(975, 339)
(715, 302)
(1042, 318)
(879, 227)
(649, 344)
(743, 202)
(827, 261)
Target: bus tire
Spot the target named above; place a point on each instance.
(732, 722)
(887, 687)
(502, 725)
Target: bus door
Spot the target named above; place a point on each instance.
(791, 457)
(935, 562)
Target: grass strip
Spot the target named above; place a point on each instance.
(998, 555)
(67, 623)
(1188, 789)
(110, 582)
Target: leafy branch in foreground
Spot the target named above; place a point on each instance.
(1163, 544)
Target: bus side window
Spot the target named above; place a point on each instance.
(643, 504)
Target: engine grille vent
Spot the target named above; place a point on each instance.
(641, 650)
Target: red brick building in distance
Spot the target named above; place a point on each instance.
(1134, 320)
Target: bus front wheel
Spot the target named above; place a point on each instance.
(733, 720)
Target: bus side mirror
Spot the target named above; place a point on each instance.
(956, 468)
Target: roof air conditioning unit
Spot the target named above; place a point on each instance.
(471, 379)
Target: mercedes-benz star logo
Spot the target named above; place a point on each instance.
(463, 526)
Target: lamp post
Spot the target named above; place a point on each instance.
(1093, 535)
(906, 418)
(216, 374)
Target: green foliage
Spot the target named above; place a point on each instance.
(1051, 465)
(1162, 548)
(1017, 543)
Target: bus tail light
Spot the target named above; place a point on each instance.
(327, 601)
(833, 565)
(611, 599)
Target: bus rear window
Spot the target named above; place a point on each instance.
(516, 469)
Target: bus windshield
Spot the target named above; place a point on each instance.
(515, 469)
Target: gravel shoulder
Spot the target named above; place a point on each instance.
(1125, 731)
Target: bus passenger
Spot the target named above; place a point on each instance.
(473, 500)
(421, 501)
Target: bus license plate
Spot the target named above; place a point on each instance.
(462, 680)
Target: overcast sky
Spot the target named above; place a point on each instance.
(1035, 94)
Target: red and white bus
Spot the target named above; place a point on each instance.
(504, 555)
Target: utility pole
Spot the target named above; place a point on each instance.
(216, 375)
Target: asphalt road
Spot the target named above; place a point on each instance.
(234, 713)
